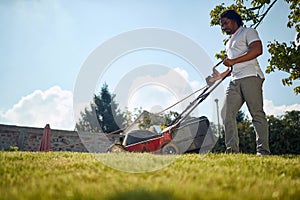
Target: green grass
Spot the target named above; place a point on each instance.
(65, 175)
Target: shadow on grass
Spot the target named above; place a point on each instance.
(139, 194)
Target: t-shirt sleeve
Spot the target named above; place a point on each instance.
(251, 35)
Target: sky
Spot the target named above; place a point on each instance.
(46, 46)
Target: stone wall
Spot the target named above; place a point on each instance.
(29, 139)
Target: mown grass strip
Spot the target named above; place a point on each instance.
(66, 175)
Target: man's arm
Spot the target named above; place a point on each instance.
(255, 50)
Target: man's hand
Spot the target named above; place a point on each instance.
(228, 62)
(216, 74)
(210, 80)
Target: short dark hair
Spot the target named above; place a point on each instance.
(232, 14)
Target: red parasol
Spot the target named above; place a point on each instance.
(45, 143)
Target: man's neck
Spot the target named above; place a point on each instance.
(235, 30)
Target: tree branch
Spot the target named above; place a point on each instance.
(263, 15)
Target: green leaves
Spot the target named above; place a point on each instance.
(285, 58)
(214, 14)
(294, 16)
(284, 134)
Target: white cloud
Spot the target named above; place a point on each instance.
(194, 84)
(53, 106)
(271, 109)
(158, 90)
(151, 98)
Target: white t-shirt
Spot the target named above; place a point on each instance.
(238, 45)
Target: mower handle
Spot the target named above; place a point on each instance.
(214, 67)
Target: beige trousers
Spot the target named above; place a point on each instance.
(247, 90)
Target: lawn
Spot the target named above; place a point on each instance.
(66, 175)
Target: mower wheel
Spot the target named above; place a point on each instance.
(116, 148)
(170, 148)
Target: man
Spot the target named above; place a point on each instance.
(242, 49)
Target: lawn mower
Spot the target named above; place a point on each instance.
(184, 134)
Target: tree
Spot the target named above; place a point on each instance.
(284, 57)
(88, 121)
(109, 116)
(103, 115)
(284, 133)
